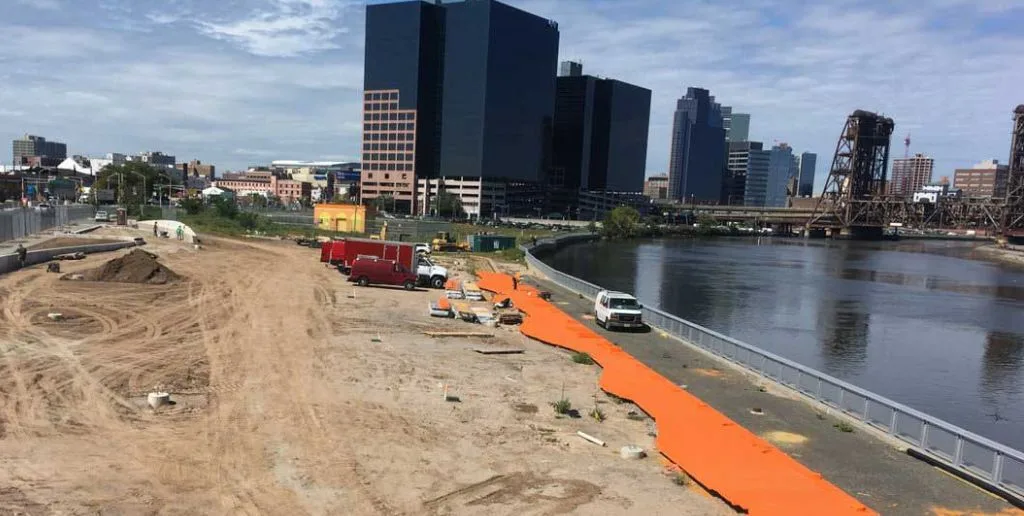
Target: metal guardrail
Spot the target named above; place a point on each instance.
(982, 459)
(21, 222)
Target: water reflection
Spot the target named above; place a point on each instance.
(843, 319)
(1001, 366)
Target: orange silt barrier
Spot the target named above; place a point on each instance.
(724, 457)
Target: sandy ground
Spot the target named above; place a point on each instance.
(286, 405)
(54, 243)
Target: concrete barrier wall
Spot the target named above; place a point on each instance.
(170, 226)
(9, 262)
(549, 222)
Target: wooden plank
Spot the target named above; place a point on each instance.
(458, 334)
(498, 351)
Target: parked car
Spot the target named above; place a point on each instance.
(368, 270)
(617, 310)
(422, 248)
(102, 216)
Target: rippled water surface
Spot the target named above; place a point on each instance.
(928, 324)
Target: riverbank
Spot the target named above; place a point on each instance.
(296, 393)
(1013, 255)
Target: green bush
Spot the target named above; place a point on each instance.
(192, 205)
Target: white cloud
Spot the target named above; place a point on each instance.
(283, 28)
(46, 5)
(28, 44)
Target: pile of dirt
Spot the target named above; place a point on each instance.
(138, 266)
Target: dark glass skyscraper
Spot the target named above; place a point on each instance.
(600, 134)
(499, 91)
(697, 159)
(808, 162)
(455, 89)
(402, 99)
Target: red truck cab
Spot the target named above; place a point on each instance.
(368, 270)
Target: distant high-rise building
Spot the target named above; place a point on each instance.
(155, 158)
(600, 134)
(570, 69)
(986, 179)
(697, 157)
(656, 187)
(781, 167)
(737, 125)
(739, 130)
(462, 90)
(805, 185)
(747, 174)
(35, 150)
(196, 168)
(910, 175)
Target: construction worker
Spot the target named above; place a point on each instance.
(515, 281)
(180, 232)
(22, 255)
(154, 229)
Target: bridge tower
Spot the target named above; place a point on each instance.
(854, 198)
(1013, 214)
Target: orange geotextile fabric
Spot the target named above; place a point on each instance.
(443, 303)
(741, 467)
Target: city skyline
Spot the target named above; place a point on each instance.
(282, 79)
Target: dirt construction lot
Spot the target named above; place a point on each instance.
(285, 404)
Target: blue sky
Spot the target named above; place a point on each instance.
(241, 82)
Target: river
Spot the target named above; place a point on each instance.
(926, 323)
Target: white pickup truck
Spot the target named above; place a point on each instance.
(617, 310)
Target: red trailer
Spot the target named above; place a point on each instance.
(344, 251)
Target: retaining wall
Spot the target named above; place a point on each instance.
(9, 262)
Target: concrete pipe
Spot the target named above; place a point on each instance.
(632, 451)
(158, 399)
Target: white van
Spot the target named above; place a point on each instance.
(617, 310)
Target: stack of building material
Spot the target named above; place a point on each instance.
(484, 315)
(453, 289)
(464, 311)
(441, 308)
(472, 292)
(510, 316)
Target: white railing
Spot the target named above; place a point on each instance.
(997, 466)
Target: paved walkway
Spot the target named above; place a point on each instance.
(877, 474)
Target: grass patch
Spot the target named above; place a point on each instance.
(843, 426)
(510, 255)
(582, 358)
(598, 415)
(563, 407)
(680, 479)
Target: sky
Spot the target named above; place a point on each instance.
(243, 82)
